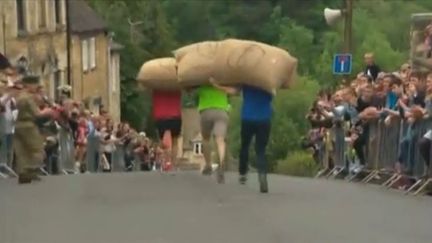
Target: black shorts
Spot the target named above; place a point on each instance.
(173, 125)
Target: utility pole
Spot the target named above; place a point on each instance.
(68, 44)
(348, 13)
(348, 26)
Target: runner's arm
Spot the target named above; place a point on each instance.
(227, 89)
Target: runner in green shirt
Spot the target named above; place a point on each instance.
(213, 106)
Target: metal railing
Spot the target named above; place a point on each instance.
(386, 145)
(60, 158)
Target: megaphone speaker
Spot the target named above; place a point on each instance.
(332, 15)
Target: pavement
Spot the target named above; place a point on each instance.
(190, 208)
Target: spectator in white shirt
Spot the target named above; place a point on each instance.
(8, 116)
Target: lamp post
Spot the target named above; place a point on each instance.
(333, 15)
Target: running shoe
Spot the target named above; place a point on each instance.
(262, 178)
(207, 171)
(242, 179)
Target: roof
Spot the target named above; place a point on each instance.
(83, 18)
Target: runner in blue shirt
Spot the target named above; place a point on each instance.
(256, 115)
(255, 122)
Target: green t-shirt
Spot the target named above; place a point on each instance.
(210, 97)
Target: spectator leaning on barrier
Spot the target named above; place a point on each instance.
(367, 109)
(81, 142)
(8, 116)
(425, 143)
(127, 140)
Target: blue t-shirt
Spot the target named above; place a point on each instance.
(257, 104)
(391, 100)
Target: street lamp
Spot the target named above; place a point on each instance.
(333, 15)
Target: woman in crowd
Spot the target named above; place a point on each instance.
(108, 146)
(142, 152)
(425, 143)
(81, 142)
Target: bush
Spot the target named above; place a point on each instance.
(299, 163)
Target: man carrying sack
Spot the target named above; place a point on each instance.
(213, 106)
(256, 116)
(167, 116)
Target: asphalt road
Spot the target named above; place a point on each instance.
(190, 208)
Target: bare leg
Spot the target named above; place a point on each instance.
(167, 144)
(207, 155)
(221, 147)
(207, 152)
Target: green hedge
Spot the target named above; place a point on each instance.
(299, 163)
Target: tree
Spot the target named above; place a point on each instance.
(149, 39)
(295, 25)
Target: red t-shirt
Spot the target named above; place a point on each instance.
(166, 104)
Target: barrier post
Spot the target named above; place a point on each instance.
(66, 161)
(6, 156)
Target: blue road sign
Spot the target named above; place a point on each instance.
(342, 64)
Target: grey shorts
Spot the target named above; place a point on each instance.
(214, 120)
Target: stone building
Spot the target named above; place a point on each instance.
(34, 33)
(95, 60)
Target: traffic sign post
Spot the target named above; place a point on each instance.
(342, 64)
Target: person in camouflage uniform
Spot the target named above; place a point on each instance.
(28, 141)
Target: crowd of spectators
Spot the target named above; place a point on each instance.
(401, 97)
(76, 139)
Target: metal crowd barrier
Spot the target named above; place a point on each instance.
(6, 157)
(386, 144)
(60, 157)
(66, 162)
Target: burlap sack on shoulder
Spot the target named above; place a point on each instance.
(256, 64)
(196, 63)
(292, 72)
(159, 74)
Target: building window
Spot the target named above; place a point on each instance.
(57, 83)
(57, 12)
(92, 49)
(115, 73)
(42, 13)
(20, 15)
(197, 148)
(85, 55)
(88, 47)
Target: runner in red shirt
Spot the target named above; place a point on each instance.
(167, 116)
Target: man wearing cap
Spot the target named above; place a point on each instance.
(28, 141)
